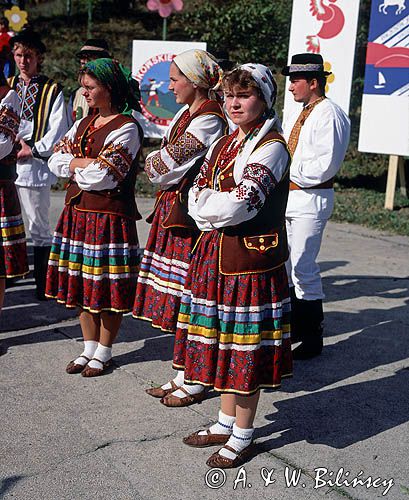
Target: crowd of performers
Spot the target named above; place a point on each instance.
(238, 216)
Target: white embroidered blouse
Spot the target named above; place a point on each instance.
(171, 162)
(212, 209)
(110, 167)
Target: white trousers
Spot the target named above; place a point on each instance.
(304, 240)
(36, 205)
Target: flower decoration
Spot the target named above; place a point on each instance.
(17, 18)
(165, 7)
(330, 78)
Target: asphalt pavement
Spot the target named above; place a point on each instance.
(337, 429)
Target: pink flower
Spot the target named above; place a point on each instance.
(165, 7)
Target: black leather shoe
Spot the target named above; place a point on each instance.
(308, 349)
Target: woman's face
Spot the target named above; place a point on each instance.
(183, 89)
(244, 106)
(96, 95)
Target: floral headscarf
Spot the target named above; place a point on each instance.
(266, 83)
(118, 79)
(200, 68)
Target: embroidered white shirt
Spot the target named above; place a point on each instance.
(171, 162)
(212, 209)
(112, 164)
(319, 154)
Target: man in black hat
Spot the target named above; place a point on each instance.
(43, 123)
(318, 137)
(94, 48)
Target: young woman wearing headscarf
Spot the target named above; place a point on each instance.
(233, 326)
(93, 262)
(194, 79)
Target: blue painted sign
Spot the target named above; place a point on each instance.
(387, 58)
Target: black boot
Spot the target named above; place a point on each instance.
(41, 255)
(307, 317)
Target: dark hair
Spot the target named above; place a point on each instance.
(321, 80)
(243, 79)
(5, 21)
(117, 99)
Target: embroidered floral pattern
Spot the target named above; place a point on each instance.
(118, 160)
(251, 194)
(9, 122)
(65, 142)
(262, 176)
(156, 163)
(253, 199)
(201, 181)
(185, 148)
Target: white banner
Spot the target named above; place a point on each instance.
(385, 103)
(150, 66)
(328, 28)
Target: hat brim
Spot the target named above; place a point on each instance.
(286, 72)
(96, 54)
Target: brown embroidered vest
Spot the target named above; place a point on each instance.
(178, 216)
(8, 122)
(259, 244)
(119, 200)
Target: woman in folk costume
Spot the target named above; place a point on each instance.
(13, 253)
(194, 79)
(93, 262)
(233, 326)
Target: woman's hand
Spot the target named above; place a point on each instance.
(79, 163)
(25, 151)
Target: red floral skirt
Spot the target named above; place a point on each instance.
(233, 332)
(163, 270)
(13, 251)
(93, 261)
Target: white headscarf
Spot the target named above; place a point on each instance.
(266, 83)
(200, 68)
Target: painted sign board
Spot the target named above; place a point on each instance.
(326, 27)
(385, 104)
(151, 61)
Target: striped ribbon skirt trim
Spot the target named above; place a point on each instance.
(13, 250)
(233, 332)
(163, 271)
(93, 261)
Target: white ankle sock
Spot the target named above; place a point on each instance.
(191, 389)
(239, 440)
(223, 426)
(103, 354)
(178, 380)
(90, 347)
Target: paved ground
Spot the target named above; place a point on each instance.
(345, 413)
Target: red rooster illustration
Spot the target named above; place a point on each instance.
(333, 21)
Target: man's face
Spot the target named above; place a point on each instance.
(301, 89)
(26, 61)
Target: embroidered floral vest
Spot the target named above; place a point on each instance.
(259, 244)
(119, 200)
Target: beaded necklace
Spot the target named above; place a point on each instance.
(185, 118)
(229, 150)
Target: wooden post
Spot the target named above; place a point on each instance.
(395, 165)
(402, 178)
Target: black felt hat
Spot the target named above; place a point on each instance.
(29, 37)
(309, 64)
(95, 48)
